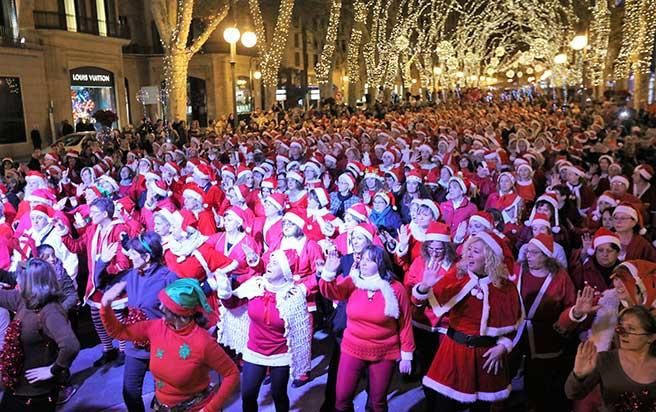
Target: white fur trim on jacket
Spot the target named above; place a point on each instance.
(374, 283)
(605, 320)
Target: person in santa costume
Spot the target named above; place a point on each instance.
(267, 230)
(378, 328)
(629, 226)
(411, 236)
(547, 204)
(582, 193)
(43, 231)
(34, 180)
(547, 293)
(101, 240)
(267, 187)
(437, 255)
(507, 201)
(321, 224)
(237, 197)
(457, 209)
(237, 244)
(540, 223)
(182, 352)
(193, 198)
(266, 320)
(164, 223)
(384, 213)
(373, 183)
(296, 193)
(23, 222)
(599, 261)
(470, 368)
(524, 185)
(203, 177)
(605, 201)
(644, 190)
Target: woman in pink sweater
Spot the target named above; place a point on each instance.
(379, 326)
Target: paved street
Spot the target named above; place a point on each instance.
(100, 389)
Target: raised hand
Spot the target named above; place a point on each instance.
(586, 359)
(251, 256)
(585, 302)
(586, 239)
(430, 275)
(403, 235)
(332, 261)
(112, 293)
(79, 220)
(461, 231)
(108, 253)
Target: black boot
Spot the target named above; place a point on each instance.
(105, 358)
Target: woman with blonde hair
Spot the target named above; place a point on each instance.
(469, 369)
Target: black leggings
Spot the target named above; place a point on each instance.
(251, 381)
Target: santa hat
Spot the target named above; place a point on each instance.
(642, 277)
(33, 175)
(607, 197)
(463, 182)
(239, 215)
(282, 159)
(359, 210)
(330, 157)
(269, 183)
(425, 147)
(73, 153)
(243, 171)
(430, 204)
(414, 176)
(388, 197)
(545, 243)
(608, 158)
(438, 231)
(620, 179)
(51, 156)
(159, 188)
(44, 210)
(287, 260)
(540, 219)
(298, 176)
(484, 218)
(355, 167)
(188, 220)
(296, 216)
(396, 174)
(348, 179)
(310, 164)
(574, 169)
(228, 171)
(126, 204)
(498, 247)
(279, 200)
(241, 192)
(173, 167)
(322, 196)
(645, 171)
(631, 211)
(552, 199)
(43, 196)
(110, 180)
(508, 175)
(203, 172)
(372, 172)
(603, 236)
(194, 192)
(366, 229)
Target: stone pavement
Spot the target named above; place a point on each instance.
(100, 389)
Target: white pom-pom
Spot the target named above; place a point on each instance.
(555, 229)
(642, 231)
(590, 251)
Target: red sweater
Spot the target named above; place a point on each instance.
(180, 361)
(370, 334)
(266, 335)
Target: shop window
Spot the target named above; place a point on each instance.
(244, 95)
(12, 117)
(92, 89)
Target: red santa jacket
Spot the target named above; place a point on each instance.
(267, 232)
(453, 216)
(236, 253)
(423, 315)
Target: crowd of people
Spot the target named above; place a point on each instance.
(462, 245)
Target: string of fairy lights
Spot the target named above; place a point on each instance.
(322, 68)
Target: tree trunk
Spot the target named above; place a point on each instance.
(270, 96)
(179, 65)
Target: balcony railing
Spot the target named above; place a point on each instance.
(58, 21)
(9, 39)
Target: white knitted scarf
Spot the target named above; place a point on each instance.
(374, 283)
(291, 303)
(605, 320)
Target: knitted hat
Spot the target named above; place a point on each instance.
(642, 277)
(366, 229)
(438, 231)
(545, 243)
(184, 297)
(550, 198)
(359, 210)
(296, 216)
(43, 210)
(603, 236)
(279, 200)
(634, 213)
(645, 171)
(484, 218)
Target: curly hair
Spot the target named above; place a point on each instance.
(495, 267)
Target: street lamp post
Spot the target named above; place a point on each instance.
(578, 44)
(248, 39)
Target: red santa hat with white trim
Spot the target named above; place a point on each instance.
(633, 212)
(34, 175)
(359, 210)
(193, 191)
(44, 210)
(642, 279)
(604, 236)
(322, 196)
(645, 171)
(269, 183)
(388, 197)
(366, 229)
(438, 231)
(544, 242)
(279, 200)
(498, 247)
(297, 217)
(552, 199)
(484, 218)
(240, 216)
(430, 204)
(43, 196)
(348, 179)
(620, 179)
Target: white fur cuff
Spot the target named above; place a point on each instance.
(328, 276)
(406, 355)
(507, 343)
(574, 319)
(401, 251)
(418, 295)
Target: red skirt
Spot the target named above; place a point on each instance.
(457, 372)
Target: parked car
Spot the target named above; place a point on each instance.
(74, 141)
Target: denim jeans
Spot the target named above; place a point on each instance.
(133, 378)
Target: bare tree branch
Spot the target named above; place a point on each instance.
(160, 17)
(184, 23)
(213, 24)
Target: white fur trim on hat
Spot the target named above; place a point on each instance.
(535, 242)
(295, 219)
(491, 242)
(283, 262)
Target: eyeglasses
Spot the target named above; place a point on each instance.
(622, 218)
(434, 250)
(623, 332)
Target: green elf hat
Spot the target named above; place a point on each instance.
(184, 297)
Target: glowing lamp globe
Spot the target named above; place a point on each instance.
(231, 35)
(437, 71)
(560, 58)
(248, 39)
(579, 42)
(460, 75)
(257, 75)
